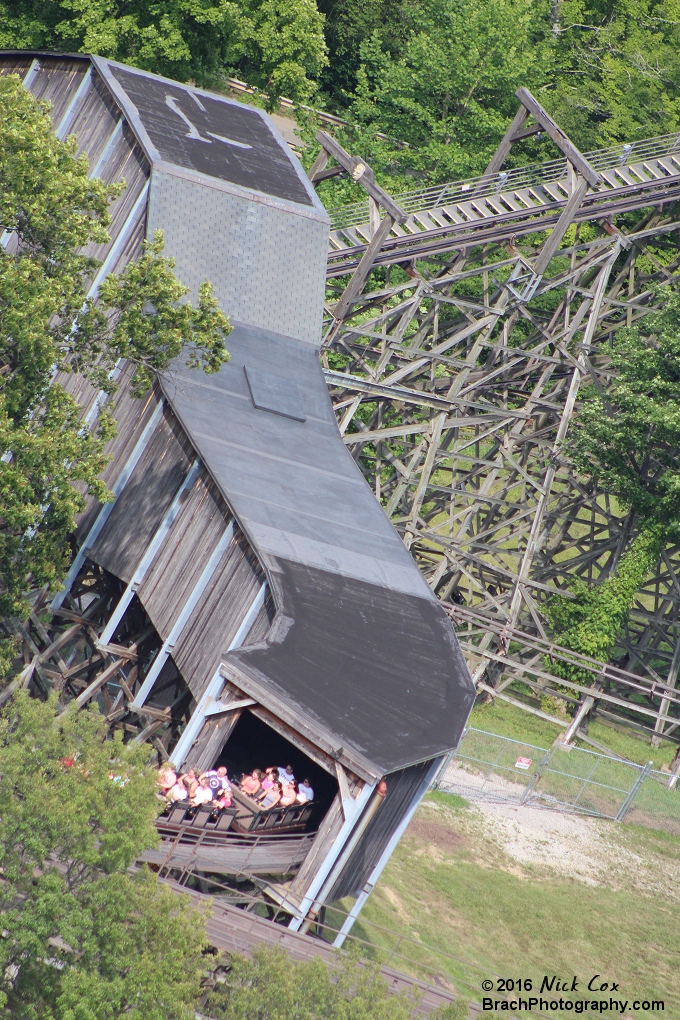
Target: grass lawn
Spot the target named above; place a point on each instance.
(508, 721)
(451, 886)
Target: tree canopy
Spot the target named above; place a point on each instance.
(269, 984)
(277, 44)
(82, 938)
(627, 440)
(52, 209)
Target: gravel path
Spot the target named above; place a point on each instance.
(591, 850)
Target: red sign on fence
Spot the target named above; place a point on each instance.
(523, 763)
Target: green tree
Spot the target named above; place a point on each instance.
(616, 75)
(82, 938)
(449, 91)
(51, 210)
(269, 984)
(277, 44)
(628, 441)
(348, 24)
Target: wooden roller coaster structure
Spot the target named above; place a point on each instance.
(461, 322)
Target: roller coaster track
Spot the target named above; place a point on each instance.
(508, 204)
(461, 323)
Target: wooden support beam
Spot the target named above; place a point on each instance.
(361, 273)
(576, 158)
(360, 172)
(511, 135)
(98, 683)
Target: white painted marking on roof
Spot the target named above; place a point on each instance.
(193, 131)
(229, 141)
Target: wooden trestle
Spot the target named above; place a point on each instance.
(458, 333)
(62, 652)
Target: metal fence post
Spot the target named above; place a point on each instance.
(533, 782)
(642, 775)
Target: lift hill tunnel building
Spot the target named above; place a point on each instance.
(245, 589)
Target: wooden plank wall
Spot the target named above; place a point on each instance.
(94, 121)
(132, 416)
(219, 614)
(402, 787)
(183, 555)
(57, 81)
(15, 64)
(141, 506)
(262, 622)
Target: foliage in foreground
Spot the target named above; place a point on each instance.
(83, 939)
(271, 985)
(627, 441)
(278, 44)
(49, 320)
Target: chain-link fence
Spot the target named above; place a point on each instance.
(489, 767)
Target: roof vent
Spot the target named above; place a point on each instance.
(270, 392)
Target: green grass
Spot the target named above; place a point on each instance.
(450, 800)
(507, 721)
(452, 890)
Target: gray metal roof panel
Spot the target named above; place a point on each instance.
(293, 485)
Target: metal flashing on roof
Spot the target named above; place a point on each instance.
(270, 393)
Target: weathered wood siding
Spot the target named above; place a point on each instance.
(15, 64)
(402, 789)
(183, 555)
(143, 502)
(94, 121)
(132, 416)
(57, 81)
(126, 163)
(262, 622)
(219, 614)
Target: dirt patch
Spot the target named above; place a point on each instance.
(437, 834)
(540, 843)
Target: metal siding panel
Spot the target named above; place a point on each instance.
(218, 615)
(183, 555)
(142, 503)
(267, 265)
